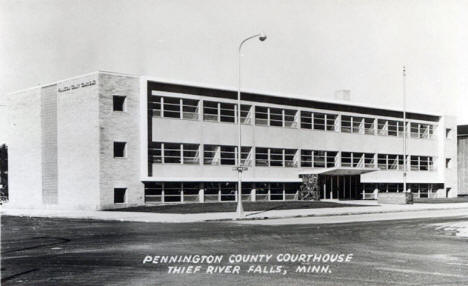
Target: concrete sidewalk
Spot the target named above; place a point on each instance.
(425, 210)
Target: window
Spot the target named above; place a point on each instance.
(261, 157)
(306, 120)
(190, 109)
(154, 105)
(392, 128)
(172, 153)
(306, 158)
(331, 158)
(261, 115)
(172, 107)
(118, 102)
(155, 152)
(276, 157)
(331, 120)
(210, 111)
(382, 161)
(120, 149)
(414, 130)
(245, 114)
(414, 163)
(319, 159)
(245, 155)
(369, 126)
(276, 117)
(319, 121)
(357, 123)
(211, 155)
(227, 112)
(119, 195)
(228, 155)
(289, 160)
(290, 118)
(358, 160)
(346, 124)
(190, 154)
(382, 126)
(369, 160)
(346, 159)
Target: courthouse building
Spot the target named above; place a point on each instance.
(106, 140)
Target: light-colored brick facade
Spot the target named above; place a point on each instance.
(61, 139)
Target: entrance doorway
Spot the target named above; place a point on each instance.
(342, 187)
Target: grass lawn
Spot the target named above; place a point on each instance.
(231, 207)
(442, 200)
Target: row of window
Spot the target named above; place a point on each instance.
(183, 108)
(179, 153)
(217, 191)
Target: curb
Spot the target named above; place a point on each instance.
(329, 215)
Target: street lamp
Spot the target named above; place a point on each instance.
(404, 131)
(240, 209)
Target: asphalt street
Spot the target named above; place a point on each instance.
(44, 251)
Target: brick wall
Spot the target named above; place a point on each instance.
(119, 126)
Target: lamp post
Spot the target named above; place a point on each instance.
(404, 130)
(240, 209)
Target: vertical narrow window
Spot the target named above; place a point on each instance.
(289, 158)
(228, 155)
(346, 124)
(261, 115)
(118, 103)
(290, 118)
(227, 112)
(319, 159)
(382, 127)
(358, 160)
(414, 130)
(190, 109)
(191, 154)
(276, 157)
(172, 153)
(357, 121)
(276, 117)
(393, 162)
(382, 161)
(120, 195)
(414, 163)
(331, 121)
(369, 126)
(210, 111)
(392, 128)
(171, 107)
(245, 156)
(331, 159)
(210, 155)
(154, 104)
(246, 114)
(424, 163)
(319, 121)
(369, 160)
(306, 119)
(120, 149)
(155, 152)
(346, 160)
(261, 157)
(306, 158)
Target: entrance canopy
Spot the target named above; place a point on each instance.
(339, 171)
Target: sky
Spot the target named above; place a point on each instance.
(314, 47)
